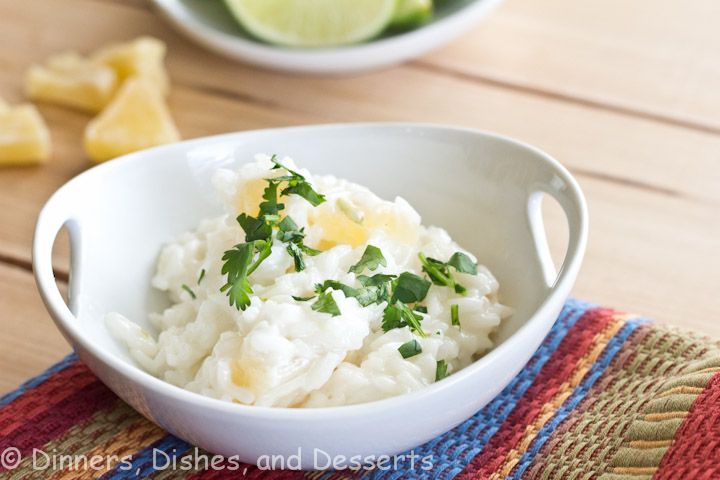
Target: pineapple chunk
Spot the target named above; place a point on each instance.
(142, 57)
(24, 138)
(71, 80)
(137, 118)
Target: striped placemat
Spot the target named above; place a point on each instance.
(607, 395)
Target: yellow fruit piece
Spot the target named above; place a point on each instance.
(341, 228)
(137, 118)
(24, 138)
(71, 80)
(142, 57)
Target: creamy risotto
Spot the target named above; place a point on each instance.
(311, 291)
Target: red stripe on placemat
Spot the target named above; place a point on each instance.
(695, 451)
(58, 417)
(554, 373)
(43, 397)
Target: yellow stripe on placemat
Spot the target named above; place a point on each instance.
(647, 444)
(681, 390)
(634, 470)
(566, 389)
(659, 417)
(126, 442)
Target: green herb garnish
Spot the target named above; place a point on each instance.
(365, 295)
(420, 309)
(462, 263)
(296, 184)
(326, 304)
(440, 274)
(410, 288)
(303, 299)
(441, 370)
(202, 275)
(410, 349)
(399, 315)
(240, 262)
(189, 290)
(371, 259)
(455, 314)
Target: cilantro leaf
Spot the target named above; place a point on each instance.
(297, 184)
(305, 190)
(455, 314)
(410, 349)
(255, 228)
(441, 370)
(399, 315)
(371, 259)
(303, 299)
(293, 236)
(410, 288)
(270, 206)
(439, 273)
(382, 282)
(365, 296)
(238, 264)
(326, 304)
(420, 309)
(462, 263)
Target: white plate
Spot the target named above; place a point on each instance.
(484, 189)
(210, 24)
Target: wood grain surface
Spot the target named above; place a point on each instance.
(624, 94)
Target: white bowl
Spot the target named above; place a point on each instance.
(210, 24)
(483, 188)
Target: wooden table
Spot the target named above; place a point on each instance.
(626, 94)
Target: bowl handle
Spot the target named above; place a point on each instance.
(54, 215)
(565, 190)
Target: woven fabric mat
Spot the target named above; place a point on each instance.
(607, 395)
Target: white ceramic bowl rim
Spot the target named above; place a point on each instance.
(49, 223)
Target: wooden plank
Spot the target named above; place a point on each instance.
(655, 57)
(597, 142)
(30, 341)
(650, 254)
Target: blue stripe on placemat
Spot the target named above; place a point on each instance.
(35, 381)
(453, 450)
(597, 369)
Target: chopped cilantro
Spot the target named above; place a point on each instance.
(441, 370)
(371, 259)
(255, 228)
(455, 314)
(303, 299)
(365, 295)
(462, 263)
(420, 309)
(399, 315)
(189, 291)
(296, 184)
(440, 274)
(326, 304)
(202, 275)
(410, 349)
(238, 265)
(410, 288)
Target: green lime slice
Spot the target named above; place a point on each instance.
(411, 13)
(313, 23)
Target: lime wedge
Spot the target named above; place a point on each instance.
(313, 23)
(411, 13)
